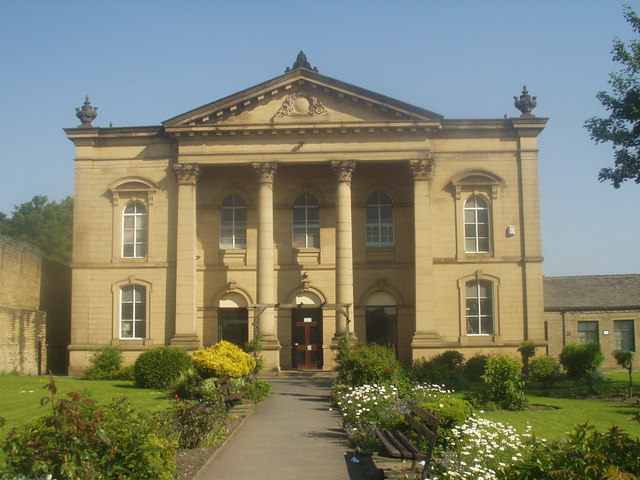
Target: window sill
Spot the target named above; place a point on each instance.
(233, 256)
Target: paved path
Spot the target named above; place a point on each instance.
(292, 435)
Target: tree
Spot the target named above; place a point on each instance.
(625, 360)
(622, 127)
(43, 224)
(581, 361)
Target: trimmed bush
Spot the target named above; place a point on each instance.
(544, 370)
(527, 349)
(581, 361)
(105, 364)
(503, 386)
(474, 368)
(160, 367)
(367, 364)
(450, 411)
(445, 368)
(223, 358)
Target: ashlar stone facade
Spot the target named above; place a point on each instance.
(307, 209)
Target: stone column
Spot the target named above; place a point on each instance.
(185, 335)
(425, 331)
(265, 265)
(344, 247)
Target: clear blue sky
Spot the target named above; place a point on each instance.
(142, 62)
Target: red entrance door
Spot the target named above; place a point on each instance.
(307, 338)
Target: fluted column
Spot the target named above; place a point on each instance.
(265, 264)
(425, 328)
(344, 246)
(185, 334)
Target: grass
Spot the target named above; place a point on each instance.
(570, 410)
(20, 399)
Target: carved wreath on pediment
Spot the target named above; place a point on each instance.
(301, 104)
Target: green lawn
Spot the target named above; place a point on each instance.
(20, 397)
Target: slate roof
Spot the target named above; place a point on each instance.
(592, 292)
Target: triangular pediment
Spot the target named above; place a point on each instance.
(300, 96)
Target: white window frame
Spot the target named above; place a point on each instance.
(139, 234)
(380, 233)
(481, 312)
(476, 224)
(308, 230)
(138, 309)
(237, 240)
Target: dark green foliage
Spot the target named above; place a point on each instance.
(474, 367)
(625, 360)
(446, 368)
(257, 390)
(622, 127)
(160, 367)
(364, 364)
(544, 370)
(194, 421)
(80, 440)
(450, 411)
(254, 347)
(43, 224)
(585, 454)
(581, 361)
(105, 364)
(527, 349)
(503, 386)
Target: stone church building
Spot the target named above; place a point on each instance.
(307, 209)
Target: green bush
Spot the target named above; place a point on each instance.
(581, 361)
(257, 390)
(223, 358)
(544, 370)
(527, 349)
(585, 454)
(105, 364)
(160, 367)
(625, 360)
(254, 348)
(445, 368)
(503, 386)
(367, 364)
(80, 440)
(195, 421)
(474, 367)
(450, 411)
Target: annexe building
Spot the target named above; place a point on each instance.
(307, 209)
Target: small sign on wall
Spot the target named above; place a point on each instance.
(308, 319)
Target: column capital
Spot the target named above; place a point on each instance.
(343, 169)
(186, 173)
(266, 171)
(421, 169)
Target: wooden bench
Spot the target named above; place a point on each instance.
(226, 390)
(398, 445)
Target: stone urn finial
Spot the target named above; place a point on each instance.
(87, 113)
(525, 103)
(301, 62)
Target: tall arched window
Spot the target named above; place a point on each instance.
(382, 319)
(306, 222)
(476, 225)
(134, 230)
(133, 311)
(479, 307)
(379, 220)
(233, 222)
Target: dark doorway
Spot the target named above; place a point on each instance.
(382, 325)
(233, 325)
(307, 338)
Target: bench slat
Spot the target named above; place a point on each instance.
(385, 437)
(419, 427)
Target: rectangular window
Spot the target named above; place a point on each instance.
(133, 311)
(624, 335)
(588, 331)
(234, 325)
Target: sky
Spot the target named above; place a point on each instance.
(143, 62)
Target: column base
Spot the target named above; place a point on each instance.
(352, 339)
(426, 340)
(186, 342)
(271, 353)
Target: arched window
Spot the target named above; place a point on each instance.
(134, 230)
(379, 220)
(479, 307)
(233, 319)
(133, 311)
(382, 319)
(306, 222)
(233, 222)
(476, 225)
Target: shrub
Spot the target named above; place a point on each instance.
(83, 441)
(544, 370)
(503, 386)
(527, 349)
(257, 390)
(584, 454)
(160, 367)
(223, 358)
(450, 411)
(444, 368)
(254, 348)
(474, 368)
(367, 364)
(105, 364)
(625, 360)
(195, 421)
(581, 361)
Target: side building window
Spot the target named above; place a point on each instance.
(379, 220)
(233, 223)
(476, 225)
(306, 222)
(624, 335)
(133, 312)
(134, 230)
(479, 307)
(588, 331)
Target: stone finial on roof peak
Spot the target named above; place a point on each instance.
(301, 62)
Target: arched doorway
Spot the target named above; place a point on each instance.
(233, 319)
(306, 323)
(382, 319)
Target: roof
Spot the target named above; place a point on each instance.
(592, 292)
